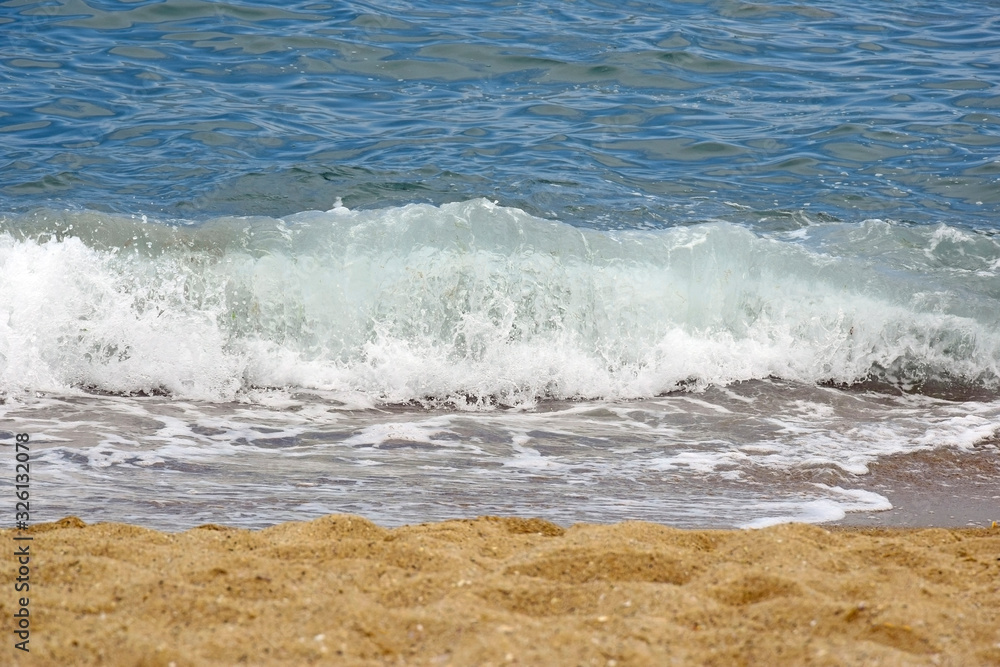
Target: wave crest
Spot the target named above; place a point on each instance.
(474, 302)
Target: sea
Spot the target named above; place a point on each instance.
(707, 263)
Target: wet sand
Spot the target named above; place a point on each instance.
(340, 590)
(941, 487)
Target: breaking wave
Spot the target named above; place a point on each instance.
(472, 302)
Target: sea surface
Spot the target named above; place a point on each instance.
(703, 262)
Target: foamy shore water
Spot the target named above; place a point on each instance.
(747, 455)
(422, 363)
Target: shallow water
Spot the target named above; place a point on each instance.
(747, 455)
(699, 262)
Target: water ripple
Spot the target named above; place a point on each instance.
(607, 114)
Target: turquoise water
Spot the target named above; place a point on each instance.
(703, 263)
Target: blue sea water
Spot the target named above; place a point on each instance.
(697, 262)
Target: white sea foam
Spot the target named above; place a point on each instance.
(725, 458)
(821, 510)
(472, 303)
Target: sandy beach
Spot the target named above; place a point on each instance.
(491, 591)
(614, 333)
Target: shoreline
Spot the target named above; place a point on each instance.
(342, 590)
(939, 488)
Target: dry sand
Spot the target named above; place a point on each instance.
(340, 590)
